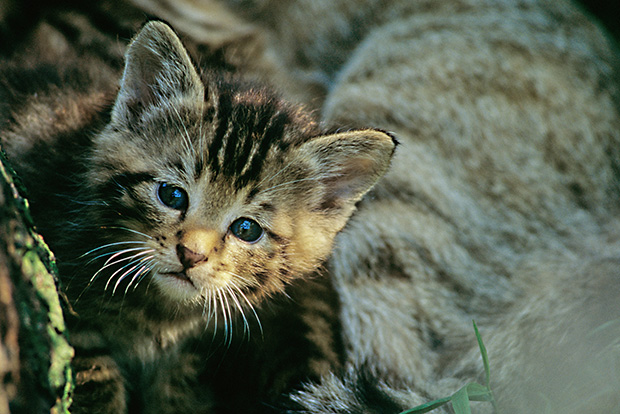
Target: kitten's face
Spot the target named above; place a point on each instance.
(202, 226)
(218, 192)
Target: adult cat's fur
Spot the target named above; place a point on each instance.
(500, 204)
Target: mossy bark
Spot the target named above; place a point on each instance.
(35, 356)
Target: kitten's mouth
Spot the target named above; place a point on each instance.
(182, 276)
(177, 286)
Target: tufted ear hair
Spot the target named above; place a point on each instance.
(157, 70)
(348, 164)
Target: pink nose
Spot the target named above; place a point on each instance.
(188, 257)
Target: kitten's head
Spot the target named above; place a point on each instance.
(212, 187)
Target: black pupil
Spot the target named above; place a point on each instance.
(173, 197)
(246, 229)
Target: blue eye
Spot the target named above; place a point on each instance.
(246, 229)
(173, 197)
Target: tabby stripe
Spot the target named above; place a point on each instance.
(199, 167)
(262, 278)
(246, 151)
(267, 206)
(258, 131)
(177, 166)
(277, 238)
(223, 114)
(274, 131)
(232, 141)
(123, 182)
(253, 192)
(263, 121)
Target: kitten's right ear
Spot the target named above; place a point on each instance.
(158, 70)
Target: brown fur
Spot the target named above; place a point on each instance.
(145, 223)
(499, 206)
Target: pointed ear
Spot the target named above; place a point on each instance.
(348, 164)
(157, 70)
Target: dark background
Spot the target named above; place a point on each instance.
(607, 12)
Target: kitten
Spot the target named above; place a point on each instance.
(500, 204)
(192, 212)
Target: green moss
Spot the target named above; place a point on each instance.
(45, 350)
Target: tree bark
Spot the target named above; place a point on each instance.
(35, 356)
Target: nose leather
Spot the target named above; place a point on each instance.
(189, 258)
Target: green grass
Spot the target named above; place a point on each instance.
(470, 392)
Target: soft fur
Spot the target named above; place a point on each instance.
(191, 206)
(499, 205)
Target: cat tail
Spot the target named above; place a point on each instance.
(358, 390)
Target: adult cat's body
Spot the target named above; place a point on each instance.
(500, 204)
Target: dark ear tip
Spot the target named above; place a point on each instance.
(391, 135)
(394, 140)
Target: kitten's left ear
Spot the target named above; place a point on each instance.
(157, 70)
(348, 164)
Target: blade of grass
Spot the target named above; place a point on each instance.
(485, 358)
(470, 392)
(429, 406)
(477, 392)
(487, 370)
(460, 401)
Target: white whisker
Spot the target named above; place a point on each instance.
(121, 277)
(141, 272)
(108, 263)
(223, 309)
(206, 307)
(133, 261)
(228, 311)
(246, 325)
(127, 229)
(213, 305)
(288, 183)
(109, 245)
(250, 306)
(114, 255)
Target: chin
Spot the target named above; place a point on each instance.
(179, 290)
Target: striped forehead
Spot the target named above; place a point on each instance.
(244, 132)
